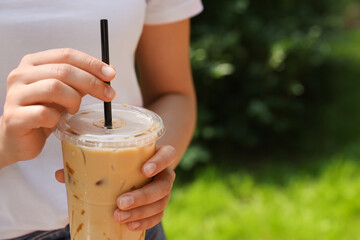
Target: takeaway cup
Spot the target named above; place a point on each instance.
(100, 164)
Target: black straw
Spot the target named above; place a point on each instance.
(106, 59)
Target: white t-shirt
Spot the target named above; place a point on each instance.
(30, 197)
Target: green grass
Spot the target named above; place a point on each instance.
(319, 200)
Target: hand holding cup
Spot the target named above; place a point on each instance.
(39, 89)
(143, 208)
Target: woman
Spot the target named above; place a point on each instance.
(53, 77)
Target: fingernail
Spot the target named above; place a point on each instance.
(124, 215)
(109, 92)
(108, 71)
(135, 225)
(149, 168)
(126, 202)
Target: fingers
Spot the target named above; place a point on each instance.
(25, 118)
(143, 212)
(145, 224)
(59, 175)
(158, 189)
(76, 69)
(72, 57)
(163, 158)
(143, 208)
(47, 91)
(151, 199)
(78, 79)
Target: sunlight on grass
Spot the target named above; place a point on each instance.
(242, 206)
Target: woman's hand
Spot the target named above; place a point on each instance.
(39, 89)
(143, 208)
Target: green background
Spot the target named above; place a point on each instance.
(276, 151)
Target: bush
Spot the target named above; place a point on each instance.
(263, 70)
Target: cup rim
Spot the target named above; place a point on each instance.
(64, 133)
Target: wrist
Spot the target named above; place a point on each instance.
(5, 159)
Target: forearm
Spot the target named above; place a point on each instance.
(178, 112)
(166, 81)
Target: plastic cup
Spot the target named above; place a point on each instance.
(100, 164)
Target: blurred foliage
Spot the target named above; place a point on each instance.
(264, 70)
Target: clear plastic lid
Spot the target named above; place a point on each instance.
(132, 126)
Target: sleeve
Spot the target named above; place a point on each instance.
(167, 11)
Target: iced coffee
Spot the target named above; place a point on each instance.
(100, 164)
